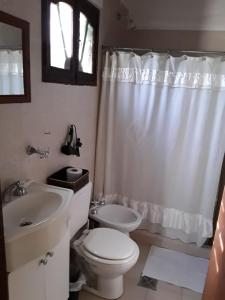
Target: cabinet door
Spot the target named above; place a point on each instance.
(28, 282)
(57, 271)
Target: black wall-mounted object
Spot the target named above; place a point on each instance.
(72, 143)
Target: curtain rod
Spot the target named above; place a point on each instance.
(169, 51)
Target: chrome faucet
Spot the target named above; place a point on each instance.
(16, 189)
(41, 152)
(95, 204)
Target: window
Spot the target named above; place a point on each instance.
(88, 43)
(69, 41)
(61, 35)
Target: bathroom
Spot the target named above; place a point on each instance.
(43, 122)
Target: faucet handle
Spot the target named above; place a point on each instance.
(94, 202)
(102, 202)
(44, 153)
(93, 211)
(19, 183)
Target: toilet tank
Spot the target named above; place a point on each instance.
(79, 208)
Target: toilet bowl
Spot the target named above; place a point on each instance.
(116, 216)
(109, 254)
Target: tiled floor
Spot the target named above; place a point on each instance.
(164, 291)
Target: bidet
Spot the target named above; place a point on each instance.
(116, 216)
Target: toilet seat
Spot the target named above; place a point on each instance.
(108, 244)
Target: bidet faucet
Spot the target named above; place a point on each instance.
(95, 204)
(17, 189)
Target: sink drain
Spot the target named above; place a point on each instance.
(25, 223)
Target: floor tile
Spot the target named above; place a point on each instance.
(144, 238)
(135, 272)
(165, 292)
(190, 295)
(132, 291)
(83, 295)
(141, 237)
(144, 251)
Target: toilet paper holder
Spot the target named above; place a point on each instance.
(60, 179)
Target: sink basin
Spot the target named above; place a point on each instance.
(34, 223)
(30, 210)
(118, 217)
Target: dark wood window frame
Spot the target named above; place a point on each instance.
(25, 27)
(72, 76)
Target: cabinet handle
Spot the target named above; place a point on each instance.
(43, 261)
(50, 254)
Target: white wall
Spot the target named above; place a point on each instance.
(113, 30)
(53, 107)
(178, 14)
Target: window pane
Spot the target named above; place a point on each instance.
(86, 45)
(61, 35)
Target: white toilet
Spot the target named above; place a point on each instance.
(107, 253)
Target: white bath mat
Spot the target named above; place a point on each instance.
(176, 268)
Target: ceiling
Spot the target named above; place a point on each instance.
(177, 14)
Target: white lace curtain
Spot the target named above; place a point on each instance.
(161, 69)
(11, 72)
(161, 139)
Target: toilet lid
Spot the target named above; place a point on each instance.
(109, 244)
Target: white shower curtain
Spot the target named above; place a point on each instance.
(11, 72)
(161, 140)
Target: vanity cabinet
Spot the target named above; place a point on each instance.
(57, 272)
(45, 278)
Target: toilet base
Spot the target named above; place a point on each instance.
(109, 288)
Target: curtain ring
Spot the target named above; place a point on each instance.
(168, 54)
(185, 57)
(203, 58)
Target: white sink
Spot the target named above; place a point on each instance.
(34, 223)
(30, 211)
(118, 217)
